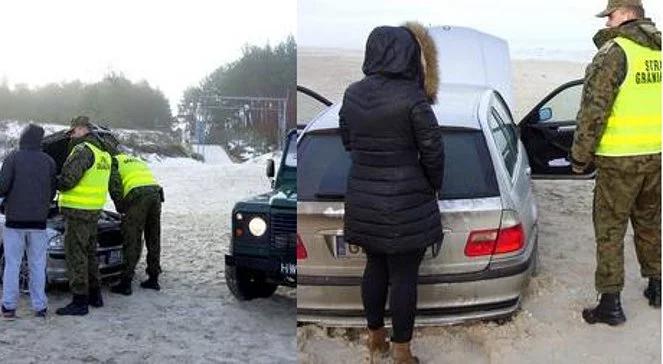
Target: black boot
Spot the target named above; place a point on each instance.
(124, 287)
(95, 299)
(77, 307)
(609, 311)
(151, 283)
(653, 292)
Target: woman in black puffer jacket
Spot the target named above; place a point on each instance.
(397, 154)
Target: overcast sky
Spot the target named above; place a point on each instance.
(170, 44)
(551, 24)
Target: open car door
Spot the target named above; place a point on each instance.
(309, 104)
(547, 133)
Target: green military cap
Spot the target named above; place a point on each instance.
(80, 121)
(615, 4)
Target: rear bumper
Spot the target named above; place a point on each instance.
(442, 299)
(276, 269)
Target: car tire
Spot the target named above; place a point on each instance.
(246, 284)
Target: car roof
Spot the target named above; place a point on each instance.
(457, 107)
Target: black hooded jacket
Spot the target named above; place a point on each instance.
(391, 132)
(27, 182)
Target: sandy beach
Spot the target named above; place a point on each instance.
(194, 318)
(548, 328)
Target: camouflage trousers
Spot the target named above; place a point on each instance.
(618, 197)
(80, 245)
(143, 216)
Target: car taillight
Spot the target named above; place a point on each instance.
(301, 249)
(481, 243)
(509, 238)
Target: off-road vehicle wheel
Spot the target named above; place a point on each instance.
(246, 284)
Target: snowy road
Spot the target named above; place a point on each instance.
(194, 319)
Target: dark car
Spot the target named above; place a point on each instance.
(264, 233)
(109, 238)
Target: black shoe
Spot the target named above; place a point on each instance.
(77, 307)
(653, 292)
(609, 311)
(151, 283)
(8, 314)
(124, 287)
(41, 313)
(95, 298)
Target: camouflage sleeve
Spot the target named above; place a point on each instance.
(115, 188)
(602, 80)
(79, 161)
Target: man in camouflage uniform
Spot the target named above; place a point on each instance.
(86, 169)
(619, 126)
(138, 197)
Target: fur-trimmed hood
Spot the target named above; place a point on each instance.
(403, 52)
(428, 58)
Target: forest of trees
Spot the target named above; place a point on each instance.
(114, 101)
(260, 72)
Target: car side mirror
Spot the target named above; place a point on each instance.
(270, 168)
(545, 114)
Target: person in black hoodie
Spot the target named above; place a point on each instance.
(27, 186)
(391, 210)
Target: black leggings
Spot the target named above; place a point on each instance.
(402, 271)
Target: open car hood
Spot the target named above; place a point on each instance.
(57, 146)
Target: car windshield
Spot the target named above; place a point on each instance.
(468, 171)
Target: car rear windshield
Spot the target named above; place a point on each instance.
(324, 166)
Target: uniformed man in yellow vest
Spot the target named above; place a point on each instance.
(138, 197)
(83, 186)
(619, 131)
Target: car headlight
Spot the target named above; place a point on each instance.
(56, 242)
(257, 226)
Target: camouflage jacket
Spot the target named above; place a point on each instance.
(79, 161)
(603, 77)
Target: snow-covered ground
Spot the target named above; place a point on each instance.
(212, 154)
(195, 318)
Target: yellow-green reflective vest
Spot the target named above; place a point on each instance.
(90, 192)
(134, 173)
(634, 125)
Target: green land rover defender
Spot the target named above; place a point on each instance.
(264, 233)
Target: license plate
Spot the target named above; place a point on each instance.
(114, 257)
(344, 250)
